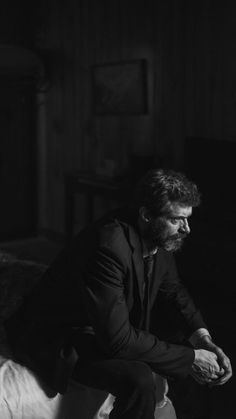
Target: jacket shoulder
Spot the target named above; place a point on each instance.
(110, 232)
(113, 234)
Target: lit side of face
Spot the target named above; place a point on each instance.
(169, 230)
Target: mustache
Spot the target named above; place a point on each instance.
(178, 236)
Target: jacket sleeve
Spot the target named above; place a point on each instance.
(175, 292)
(104, 278)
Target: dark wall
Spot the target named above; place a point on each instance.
(18, 22)
(18, 161)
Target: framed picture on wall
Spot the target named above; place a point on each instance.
(120, 88)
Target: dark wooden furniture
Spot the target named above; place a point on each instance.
(90, 185)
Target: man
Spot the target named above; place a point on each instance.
(97, 300)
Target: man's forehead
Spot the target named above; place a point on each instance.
(179, 210)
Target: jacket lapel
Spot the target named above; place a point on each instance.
(137, 260)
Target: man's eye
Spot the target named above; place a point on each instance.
(174, 220)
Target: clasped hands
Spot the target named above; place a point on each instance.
(211, 366)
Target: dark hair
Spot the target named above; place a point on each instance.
(160, 187)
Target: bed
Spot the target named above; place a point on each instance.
(21, 395)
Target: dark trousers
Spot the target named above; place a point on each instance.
(130, 382)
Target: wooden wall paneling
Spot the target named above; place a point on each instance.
(229, 71)
(213, 34)
(81, 68)
(68, 39)
(157, 69)
(57, 117)
(108, 34)
(177, 81)
(164, 71)
(88, 33)
(215, 24)
(193, 62)
(210, 68)
(79, 80)
(200, 73)
(189, 72)
(136, 131)
(136, 43)
(42, 167)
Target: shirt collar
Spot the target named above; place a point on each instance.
(147, 253)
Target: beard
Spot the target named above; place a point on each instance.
(174, 243)
(159, 236)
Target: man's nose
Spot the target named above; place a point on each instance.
(185, 226)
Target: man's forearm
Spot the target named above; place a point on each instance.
(199, 337)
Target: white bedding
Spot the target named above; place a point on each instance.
(21, 397)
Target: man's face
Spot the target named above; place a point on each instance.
(169, 230)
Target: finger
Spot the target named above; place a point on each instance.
(213, 373)
(226, 363)
(228, 369)
(205, 377)
(219, 382)
(213, 376)
(208, 370)
(223, 359)
(222, 380)
(221, 372)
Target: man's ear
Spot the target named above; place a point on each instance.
(144, 214)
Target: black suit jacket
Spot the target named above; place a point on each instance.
(96, 284)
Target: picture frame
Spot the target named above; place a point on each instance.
(120, 88)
